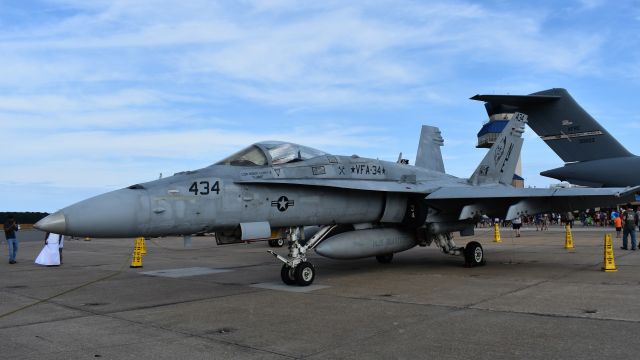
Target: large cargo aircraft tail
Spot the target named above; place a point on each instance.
(429, 155)
(499, 165)
(561, 122)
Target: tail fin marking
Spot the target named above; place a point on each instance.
(499, 165)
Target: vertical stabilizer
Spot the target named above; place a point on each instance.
(429, 155)
(499, 165)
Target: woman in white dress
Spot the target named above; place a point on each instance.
(51, 254)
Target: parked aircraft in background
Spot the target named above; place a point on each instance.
(592, 156)
(366, 207)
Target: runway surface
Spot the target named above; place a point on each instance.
(533, 300)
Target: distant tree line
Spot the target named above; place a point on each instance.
(23, 217)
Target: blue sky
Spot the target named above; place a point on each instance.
(98, 95)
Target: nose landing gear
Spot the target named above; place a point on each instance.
(296, 270)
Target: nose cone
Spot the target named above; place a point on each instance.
(54, 223)
(120, 213)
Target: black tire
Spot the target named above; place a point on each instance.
(276, 242)
(305, 273)
(384, 259)
(473, 254)
(287, 274)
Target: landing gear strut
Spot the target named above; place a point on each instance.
(296, 269)
(473, 252)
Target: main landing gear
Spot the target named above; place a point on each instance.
(296, 269)
(473, 252)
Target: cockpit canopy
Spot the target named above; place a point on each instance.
(271, 153)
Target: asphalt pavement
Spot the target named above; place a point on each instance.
(534, 299)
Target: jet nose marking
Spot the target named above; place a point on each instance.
(55, 223)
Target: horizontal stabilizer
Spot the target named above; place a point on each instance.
(516, 100)
(561, 122)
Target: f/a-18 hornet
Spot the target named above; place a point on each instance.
(364, 207)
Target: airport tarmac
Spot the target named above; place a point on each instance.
(533, 300)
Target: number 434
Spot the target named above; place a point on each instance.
(204, 188)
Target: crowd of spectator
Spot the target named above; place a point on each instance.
(602, 218)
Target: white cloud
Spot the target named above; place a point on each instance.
(334, 52)
(136, 87)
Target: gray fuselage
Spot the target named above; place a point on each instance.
(610, 172)
(220, 197)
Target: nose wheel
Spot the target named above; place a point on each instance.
(296, 270)
(303, 274)
(288, 274)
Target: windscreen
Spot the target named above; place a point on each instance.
(251, 156)
(279, 152)
(282, 153)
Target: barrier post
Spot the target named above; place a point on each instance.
(136, 260)
(609, 262)
(143, 248)
(568, 238)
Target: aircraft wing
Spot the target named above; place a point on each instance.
(512, 192)
(366, 185)
(501, 200)
(466, 202)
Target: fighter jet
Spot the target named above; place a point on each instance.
(365, 207)
(574, 135)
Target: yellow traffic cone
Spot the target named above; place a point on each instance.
(143, 250)
(136, 260)
(496, 233)
(568, 238)
(609, 262)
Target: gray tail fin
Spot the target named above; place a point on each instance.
(561, 122)
(429, 155)
(499, 165)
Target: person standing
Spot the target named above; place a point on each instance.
(10, 229)
(617, 222)
(51, 254)
(545, 222)
(569, 218)
(516, 223)
(60, 246)
(630, 220)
